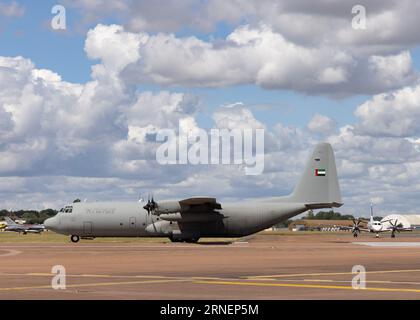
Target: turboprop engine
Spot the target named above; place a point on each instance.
(163, 207)
(166, 207)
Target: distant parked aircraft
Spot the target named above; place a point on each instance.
(377, 227)
(24, 228)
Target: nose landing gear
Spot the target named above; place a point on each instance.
(74, 238)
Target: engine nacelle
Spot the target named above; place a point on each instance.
(159, 228)
(166, 207)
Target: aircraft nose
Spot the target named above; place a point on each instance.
(51, 223)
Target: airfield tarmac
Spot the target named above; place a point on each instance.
(263, 266)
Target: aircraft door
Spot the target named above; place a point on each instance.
(87, 228)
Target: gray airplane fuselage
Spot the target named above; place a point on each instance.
(130, 219)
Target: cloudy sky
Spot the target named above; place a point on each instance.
(78, 106)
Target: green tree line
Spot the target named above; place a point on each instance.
(327, 215)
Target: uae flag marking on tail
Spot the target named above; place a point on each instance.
(320, 172)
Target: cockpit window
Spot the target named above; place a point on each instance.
(68, 209)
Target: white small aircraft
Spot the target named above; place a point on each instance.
(374, 226)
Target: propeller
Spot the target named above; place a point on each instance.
(356, 230)
(394, 227)
(151, 205)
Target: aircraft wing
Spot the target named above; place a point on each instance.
(405, 229)
(398, 230)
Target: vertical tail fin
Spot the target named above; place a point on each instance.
(371, 212)
(318, 187)
(9, 221)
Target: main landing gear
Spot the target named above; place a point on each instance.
(190, 240)
(74, 238)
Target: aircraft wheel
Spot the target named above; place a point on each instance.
(377, 235)
(174, 240)
(392, 235)
(74, 238)
(355, 235)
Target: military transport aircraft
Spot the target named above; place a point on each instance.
(24, 228)
(189, 219)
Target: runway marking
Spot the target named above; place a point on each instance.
(326, 274)
(10, 252)
(389, 244)
(192, 278)
(35, 274)
(95, 284)
(367, 281)
(118, 276)
(307, 286)
(214, 280)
